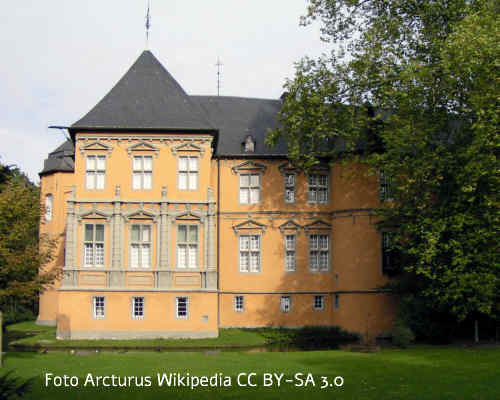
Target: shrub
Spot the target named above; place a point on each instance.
(402, 335)
(12, 387)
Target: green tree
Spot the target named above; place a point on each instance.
(22, 250)
(412, 88)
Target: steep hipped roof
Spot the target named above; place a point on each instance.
(61, 159)
(238, 117)
(146, 97)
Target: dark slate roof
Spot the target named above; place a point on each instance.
(61, 159)
(146, 97)
(238, 117)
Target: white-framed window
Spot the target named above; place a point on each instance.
(336, 301)
(317, 188)
(249, 253)
(249, 188)
(319, 303)
(239, 303)
(49, 203)
(142, 175)
(290, 180)
(319, 253)
(286, 304)
(140, 246)
(290, 253)
(138, 306)
(93, 255)
(95, 174)
(188, 172)
(98, 307)
(181, 307)
(385, 187)
(187, 246)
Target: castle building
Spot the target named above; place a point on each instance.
(175, 219)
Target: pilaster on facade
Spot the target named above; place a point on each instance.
(117, 231)
(164, 230)
(211, 232)
(69, 259)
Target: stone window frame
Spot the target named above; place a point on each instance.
(336, 301)
(289, 228)
(286, 308)
(133, 307)
(318, 186)
(187, 243)
(290, 186)
(386, 237)
(94, 242)
(319, 250)
(95, 171)
(142, 171)
(250, 187)
(131, 242)
(249, 251)
(249, 168)
(188, 171)
(321, 306)
(239, 303)
(385, 184)
(288, 250)
(176, 307)
(93, 307)
(49, 207)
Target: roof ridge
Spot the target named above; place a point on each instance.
(233, 97)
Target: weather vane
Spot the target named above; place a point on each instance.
(218, 65)
(148, 23)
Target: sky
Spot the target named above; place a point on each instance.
(60, 57)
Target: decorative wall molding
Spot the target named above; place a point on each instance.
(162, 138)
(95, 145)
(249, 224)
(94, 213)
(189, 146)
(290, 225)
(318, 225)
(142, 146)
(249, 166)
(141, 214)
(288, 168)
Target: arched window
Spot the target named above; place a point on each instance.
(48, 207)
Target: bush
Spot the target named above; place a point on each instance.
(402, 335)
(309, 336)
(425, 321)
(20, 315)
(12, 387)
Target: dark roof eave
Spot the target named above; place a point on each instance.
(74, 129)
(255, 155)
(52, 171)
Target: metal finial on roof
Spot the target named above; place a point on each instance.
(148, 23)
(218, 65)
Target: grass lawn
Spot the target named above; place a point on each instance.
(416, 373)
(45, 336)
(28, 335)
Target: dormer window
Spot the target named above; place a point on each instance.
(249, 144)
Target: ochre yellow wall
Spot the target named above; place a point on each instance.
(159, 316)
(355, 250)
(119, 169)
(59, 186)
